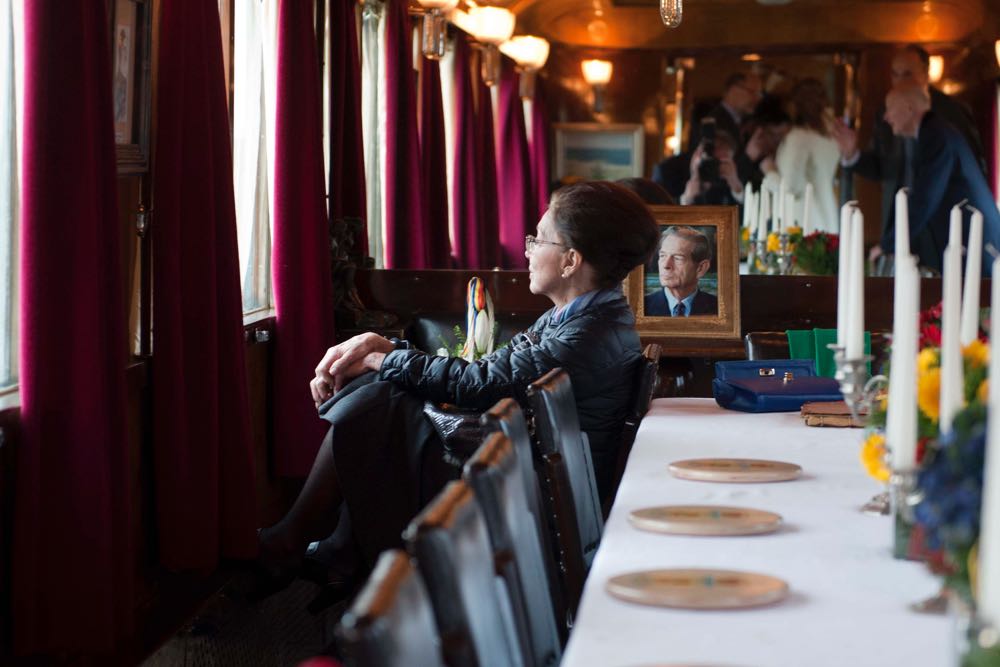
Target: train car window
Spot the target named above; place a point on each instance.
(373, 119)
(254, 90)
(11, 87)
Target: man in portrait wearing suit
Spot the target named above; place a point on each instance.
(684, 257)
(889, 159)
(945, 172)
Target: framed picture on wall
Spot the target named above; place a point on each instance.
(690, 287)
(131, 22)
(594, 151)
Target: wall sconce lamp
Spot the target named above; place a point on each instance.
(435, 26)
(996, 47)
(491, 26)
(935, 69)
(671, 11)
(597, 73)
(530, 54)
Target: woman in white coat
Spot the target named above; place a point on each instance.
(808, 155)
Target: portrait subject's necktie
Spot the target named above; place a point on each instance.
(680, 310)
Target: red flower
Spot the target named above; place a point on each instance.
(921, 449)
(930, 335)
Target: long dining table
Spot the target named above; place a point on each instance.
(848, 601)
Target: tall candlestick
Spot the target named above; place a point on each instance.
(856, 289)
(747, 200)
(842, 271)
(955, 225)
(791, 206)
(807, 211)
(765, 212)
(901, 418)
(952, 379)
(902, 224)
(988, 600)
(779, 207)
(973, 269)
(751, 207)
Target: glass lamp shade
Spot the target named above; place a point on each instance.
(596, 72)
(492, 25)
(996, 47)
(528, 51)
(935, 69)
(442, 5)
(671, 11)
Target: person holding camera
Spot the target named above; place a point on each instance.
(713, 178)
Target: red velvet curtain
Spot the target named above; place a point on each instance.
(466, 205)
(405, 231)
(518, 206)
(347, 164)
(435, 170)
(301, 252)
(73, 563)
(202, 443)
(487, 171)
(540, 148)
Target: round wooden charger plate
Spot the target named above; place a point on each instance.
(692, 588)
(705, 520)
(735, 470)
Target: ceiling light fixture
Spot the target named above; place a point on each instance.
(491, 26)
(530, 54)
(434, 27)
(671, 11)
(597, 73)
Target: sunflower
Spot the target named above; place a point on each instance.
(977, 353)
(873, 457)
(926, 360)
(929, 393)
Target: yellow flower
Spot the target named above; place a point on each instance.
(793, 230)
(977, 353)
(773, 242)
(926, 360)
(745, 234)
(928, 393)
(873, 457)
(983, 392)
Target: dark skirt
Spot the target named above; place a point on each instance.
(390, 461)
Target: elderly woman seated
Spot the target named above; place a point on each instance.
(382, 457)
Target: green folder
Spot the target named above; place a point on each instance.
(812, 344)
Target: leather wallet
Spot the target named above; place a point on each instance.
(773, 385)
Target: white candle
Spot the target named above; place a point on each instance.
(807, 211)
(747, 200)
(842, 272)
(901, 419)
(791, 203)
(764, 212)
(779, 207)
(951, 350)
(973, 269)
(902, 224)
(988, 600)
(855, 334)
(750, 206)
(955, 225)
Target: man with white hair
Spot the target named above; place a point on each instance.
(944, 173)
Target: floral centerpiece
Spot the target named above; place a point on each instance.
(817, 254)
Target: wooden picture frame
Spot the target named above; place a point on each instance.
(721, 225)
(598, 152)
(131, 39)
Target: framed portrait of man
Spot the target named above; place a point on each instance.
(690, 287)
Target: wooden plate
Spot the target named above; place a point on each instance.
(698, 588)
(705, 520)
(735, 470)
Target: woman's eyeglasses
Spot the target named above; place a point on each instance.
(530, 243)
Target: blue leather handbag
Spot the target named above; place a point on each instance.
(773, 385)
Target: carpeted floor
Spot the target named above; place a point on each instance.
(276, 632)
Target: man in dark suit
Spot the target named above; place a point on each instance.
(681, 175)
(889, 158)
(685, 256)
(944, 173)
(740, 96)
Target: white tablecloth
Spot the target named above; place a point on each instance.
(849, 597)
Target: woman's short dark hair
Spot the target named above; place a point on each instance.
(606, 223)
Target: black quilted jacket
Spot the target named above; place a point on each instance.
(597, 346)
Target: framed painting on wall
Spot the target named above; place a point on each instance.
(131, 22)
(691, 285)
(598, 152)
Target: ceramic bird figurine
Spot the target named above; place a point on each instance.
(478, 321)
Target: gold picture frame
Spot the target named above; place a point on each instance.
(721, 225)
